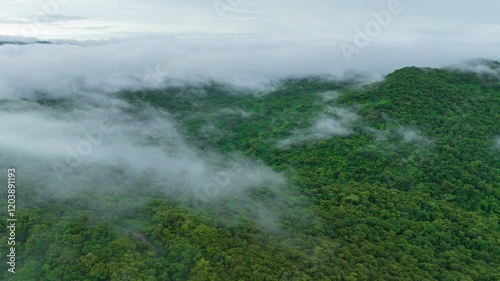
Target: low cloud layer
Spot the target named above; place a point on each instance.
(96, 145)
(107, 66)
(72, 67)
(333, 122)
(479, 66)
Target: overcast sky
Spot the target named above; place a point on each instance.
(461, 20)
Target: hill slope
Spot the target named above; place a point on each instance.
(396, 180)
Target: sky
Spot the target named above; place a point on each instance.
(458, 20)
(458, 30)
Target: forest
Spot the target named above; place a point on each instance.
(392, 180)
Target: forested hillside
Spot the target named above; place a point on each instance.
(393, 180)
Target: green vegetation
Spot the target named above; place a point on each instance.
(412, 194)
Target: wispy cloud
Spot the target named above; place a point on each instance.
(49, 19)
(333, 122)
(63, 149)
(413, 135)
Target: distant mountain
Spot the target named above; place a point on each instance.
(23, 43)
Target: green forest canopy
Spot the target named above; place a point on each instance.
(411, 193)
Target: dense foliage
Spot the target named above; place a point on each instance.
(412, 193)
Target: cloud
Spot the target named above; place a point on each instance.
(62, 18)
(235, 111)
(333, 122)
(49, 19)
(412, 135)
(479, 66)
(247, 61)
(123, 64)
(148, 142)
(329, 96)
(65, 152)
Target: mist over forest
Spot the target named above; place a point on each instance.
(278, 141)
